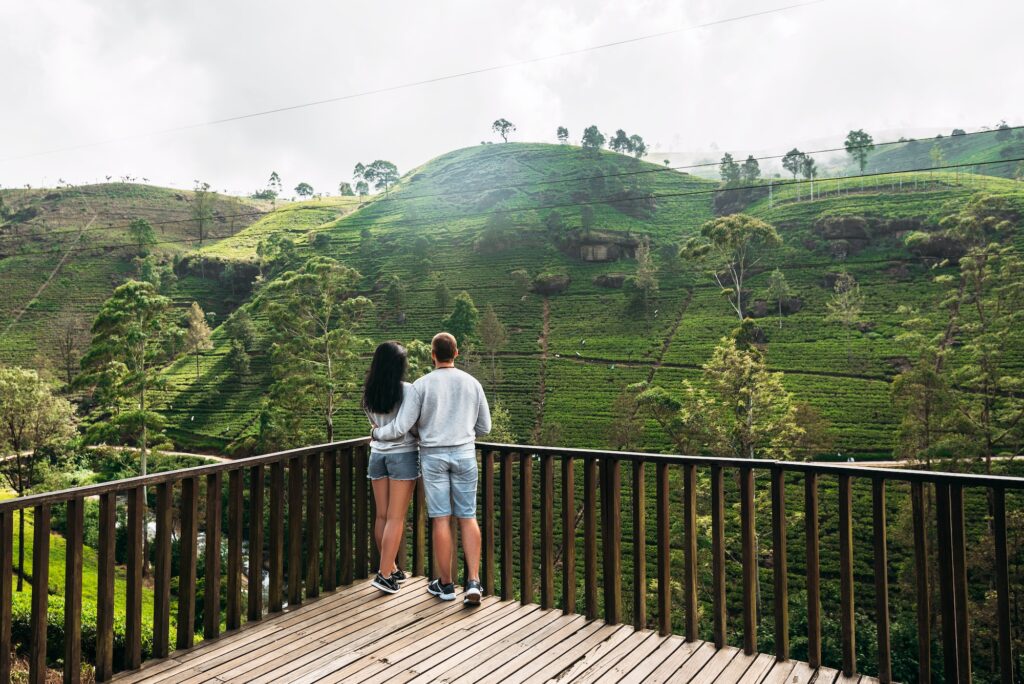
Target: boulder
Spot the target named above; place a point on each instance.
(612, 281)
(550, 283)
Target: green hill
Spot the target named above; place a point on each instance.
(62, 251)
(440, 223)
(983, 148)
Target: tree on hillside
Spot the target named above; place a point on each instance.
(741, 410)
(304, 190)
(503, 127)
(32, 417)
(362, 188)
(645, 280)
(442, 296)
(203, 200)
(493, 337)
(522, 281)
(845, 308)
(383, 174)
(808, 168)
(637, 146)
(586, 218)
(619, 142)
(238, 359)
(778, 290)
(462, 322)
(750, 171)
(592, 139)
(936, 155)
(239, 326)
(395, 296)
(313, 315)
(345, 189)
(858, 145)
(274, 183)
(730, 246)
(793, 161)
(562, 135)
(70, 336)
(554, 223)
(627, 426)
(729, 170)
(142, 234)
(1002, 131)
(197, 333)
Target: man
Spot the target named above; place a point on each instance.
(449, 410)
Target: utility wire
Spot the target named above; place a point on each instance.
(622, 200)
(428, 81)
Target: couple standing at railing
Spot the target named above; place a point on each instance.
(431, 426)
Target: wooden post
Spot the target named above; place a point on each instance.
(295, 531)
(590, 537)
(924, 621)
(489, 522)
(690, 549)
(506, 526)
(347, 517)
(1002, 586)
(40, 594)
(847, 625)
(947, 594)
(718, 553)
(780, 568)
(813, 570)
(881, 562)
(6, 564)
(547, 532)
(211, 598)
(331, 520)
(254, 574)
(750, 574)
(233, 617)
(419, 530)
(73, 593)
(639, 547)
(568, 536)
(133, 575)
(275, 562)
(162, 592)
(525, 529)
(361, 513)
(664, 551)
(312, 536)
(187, 566)
(105, 589)
(963, 619)
(611, 540)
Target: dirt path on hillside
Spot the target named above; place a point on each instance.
(53, 274)
(542, 388)
(659, 362)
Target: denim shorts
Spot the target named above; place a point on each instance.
(397, 465)
(449, 478)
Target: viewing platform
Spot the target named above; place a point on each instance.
(591, 572)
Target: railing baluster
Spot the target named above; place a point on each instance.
(924, 620)
(133, 575)
(611, 540)
(312, 535)
(881, 561)
(419, 531)
(40, 594)
(105, 589)
(331, 520)
(664, 552)
(73, 592)
(361, 519)
(547, 531)
(347, 518)
(233, 618)
(690, 549)
(568, 536)
(780, 564)
(718, 553)
(187, 565)
(275, 589)
(639, 547)
(254, 574)
(811, 527)
(750, 572)
(590, 537)
(846, 576)
(295, 531)
(211, 579)
(525, 529)
(6, 572)
(947, 596)
(1002, 586)
(963, 620)
(506, 526)
(162, 592)
(488, 523)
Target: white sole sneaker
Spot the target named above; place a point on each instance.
(383, 587)
(441, 594)
(472, 598)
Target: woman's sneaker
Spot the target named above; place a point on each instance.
(386, 584)
(445, 592)
(399, 576)
(473, 593)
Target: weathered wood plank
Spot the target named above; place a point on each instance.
(1002, 585)
(362, 519)
(133, 577)
(506, 526)
(487, 472)
(254, 573)
(846, 612)
(525, 529)
(40, 594)
(664, 551)
(331, 521)
(590, 537)
(690, 549)
(780, 564)
(881, 562)
(718, 554)
(211, 578)
(347, 516)
(811, 526)
(924, 620)
(105, 589)
(295, 532)
(947, 593)
(639, 547)
(963, 618)
(568, 536)
(233, 615)
(312, 531)
(162, 572)
(419, 529)
(611, 540)
(73, 592)
(750, 575)
(275, 560)
(187, 562)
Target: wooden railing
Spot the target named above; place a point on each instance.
(307, 523)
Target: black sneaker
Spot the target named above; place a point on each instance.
(445, 592)
(386, 584)
(473, 593)
(399, 576)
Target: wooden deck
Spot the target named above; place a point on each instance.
(360, 635)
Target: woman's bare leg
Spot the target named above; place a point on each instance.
(399, 496)
(381, 488)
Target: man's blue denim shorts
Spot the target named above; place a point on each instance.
(449, 480)
(397, 465)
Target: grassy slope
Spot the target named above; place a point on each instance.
(582, 379)
(973, 148)
(96, 262)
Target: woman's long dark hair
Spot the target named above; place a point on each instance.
(383, 389)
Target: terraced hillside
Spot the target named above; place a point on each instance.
(988, 149)
(64, 250)
(570, 353)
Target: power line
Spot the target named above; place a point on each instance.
(514, 186)
(428, 81)
(621, 200)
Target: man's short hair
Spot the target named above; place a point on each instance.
(444, 347)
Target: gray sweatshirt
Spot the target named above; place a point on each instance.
(448, 408)
(406, 442)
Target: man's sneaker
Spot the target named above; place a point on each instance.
(471, 597)
(445, 592)
(386, 584)
(399, 576)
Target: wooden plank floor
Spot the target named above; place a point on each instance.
(359, 635)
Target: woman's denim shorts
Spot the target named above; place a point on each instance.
(396, 465)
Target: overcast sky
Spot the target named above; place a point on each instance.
(76, 72)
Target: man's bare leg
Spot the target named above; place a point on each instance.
(442, 538)
(471, 544)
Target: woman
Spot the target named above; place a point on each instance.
(394, 466)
